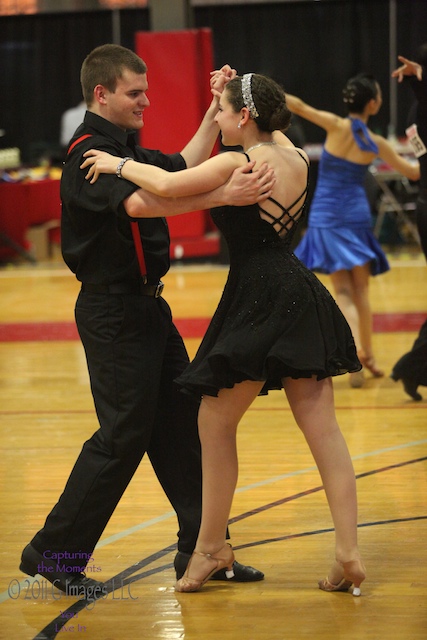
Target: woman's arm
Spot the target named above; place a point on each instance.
(386, 152)
(324, 119)
(205, 177)
(246, 185)
(199, 148)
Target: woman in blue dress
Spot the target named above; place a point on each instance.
(339, 240)
(275, 327)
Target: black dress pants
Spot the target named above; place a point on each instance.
(413, 365)
(134, 353)
(421, 214)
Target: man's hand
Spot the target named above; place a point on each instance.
(244, 188)
(408, 68)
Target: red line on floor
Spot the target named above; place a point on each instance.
(395, 322)
(188, 327)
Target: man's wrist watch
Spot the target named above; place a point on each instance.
(120, 166)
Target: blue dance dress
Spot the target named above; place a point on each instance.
(339, 234)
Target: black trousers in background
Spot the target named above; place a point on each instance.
(413, 365)
(421, 214)
(134, 352)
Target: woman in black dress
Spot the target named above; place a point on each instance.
(275, 327)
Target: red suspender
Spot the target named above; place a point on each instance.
(139, 249)
(76, 142)
(134, 224)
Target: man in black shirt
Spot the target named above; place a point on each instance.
(115, 239)
(411, 368)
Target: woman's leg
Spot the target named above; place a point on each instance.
(342, 282)
(218, 420)
(312, 404)
(352, 296)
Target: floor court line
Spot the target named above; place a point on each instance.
(192, 327)
(50, 631)
(415, 406)
(5, 595)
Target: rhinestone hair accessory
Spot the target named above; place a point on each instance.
(348, 94)
(247, 95)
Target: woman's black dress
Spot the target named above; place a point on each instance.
(275, 319)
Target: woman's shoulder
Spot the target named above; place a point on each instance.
(294, 154)
(342, 124)
(229, 158)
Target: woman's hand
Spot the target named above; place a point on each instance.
(220, 78)
(99, 162)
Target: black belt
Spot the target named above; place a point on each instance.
(139, 288)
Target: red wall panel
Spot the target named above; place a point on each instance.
(178, 66)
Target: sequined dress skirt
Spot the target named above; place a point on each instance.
(275, 319)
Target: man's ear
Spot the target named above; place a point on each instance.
(99, 94)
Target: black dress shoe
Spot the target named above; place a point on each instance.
(76, 584)
(242, 573)
(410, 387)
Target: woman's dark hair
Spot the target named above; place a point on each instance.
(359, 91)
(269, 99)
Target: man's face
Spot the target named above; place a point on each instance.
(125, 107)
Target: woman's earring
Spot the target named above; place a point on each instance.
(239, 126)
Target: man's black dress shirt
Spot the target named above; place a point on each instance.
(96, 237)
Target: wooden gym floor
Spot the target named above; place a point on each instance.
(280, 521)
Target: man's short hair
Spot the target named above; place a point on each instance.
(105, 65)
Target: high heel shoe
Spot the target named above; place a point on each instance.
(221, 559)
(357, 378)
(354, 573)
(370, 364)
